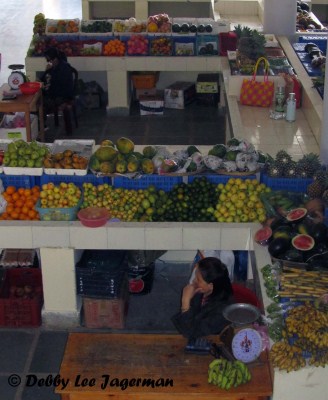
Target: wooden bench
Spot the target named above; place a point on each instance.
(102, 366)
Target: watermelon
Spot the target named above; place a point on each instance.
(296, 214)
(263, 235)
(303, 242)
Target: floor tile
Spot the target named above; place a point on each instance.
(40, 393)
(49, 351)
(7, 392)
(14, 350)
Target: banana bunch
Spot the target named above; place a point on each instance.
(227, 374)
(286, 357)
(309, 323)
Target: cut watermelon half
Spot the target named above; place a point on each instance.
(263, 235)
(303, 242)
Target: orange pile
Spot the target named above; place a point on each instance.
(21, 203)
(114, 48)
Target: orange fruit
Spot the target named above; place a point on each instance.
(19, 203)
(27, 192)
(32, 214)
(25, 210)
(29, 203)
(10, 190)
(21, 191)
(15, 196)
(14, 215)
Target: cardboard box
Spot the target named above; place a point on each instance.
(179, 94)
(107, 313)
(151, 105)
(145, 92)
(208, 83)
(19, 132)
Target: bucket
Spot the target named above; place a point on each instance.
(141, 279)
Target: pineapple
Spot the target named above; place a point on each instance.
(308, 165)
(275, 170)
(283, 157)
(290, 169)
(319, 185)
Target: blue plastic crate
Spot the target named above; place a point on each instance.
(290, 184)
(207, 45)
(299, 47)
(78, 180)
(184, 45)
(321, 42)
(216, 178)
(25, 181)
(159, 181)
(152, 46)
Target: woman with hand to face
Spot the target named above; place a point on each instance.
(203, 300)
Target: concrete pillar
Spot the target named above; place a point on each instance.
(324, 129)
(279, 17)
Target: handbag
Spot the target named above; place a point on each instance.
(257, 93)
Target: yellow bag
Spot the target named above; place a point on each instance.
(255, 93)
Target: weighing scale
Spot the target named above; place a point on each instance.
(17, 77)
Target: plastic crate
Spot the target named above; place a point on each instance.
(131, 49)
(58, 213)
(107, 313)
(207, 45)
(99, 273)
(160, 46)
(144, 80)
(160, 182)
(25, 181)
(18, 311)
(184, 46)
(78, 180)
(216, 178)
(290, 184)
(320, 41)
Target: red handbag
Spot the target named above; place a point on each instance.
(257, 93)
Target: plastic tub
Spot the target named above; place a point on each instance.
(93, 217)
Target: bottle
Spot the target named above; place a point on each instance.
(280, 99)
(291, 108)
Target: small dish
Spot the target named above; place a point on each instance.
(241, 313)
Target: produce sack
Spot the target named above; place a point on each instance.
(257, 93)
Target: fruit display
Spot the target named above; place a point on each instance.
(159, 23)
(124, 204)
(62, 26)
(115, 47)
(228, 374)
(160, 46)
(131, 25)
(120, 158)
(70, 48)
(101, 26)
(20, 153)
(21, 203)
(284, 166)
(304, 20)
(67, 159)
(137, 45)
(59, 202)
(239, 201)
(305, 339)
(182, 26)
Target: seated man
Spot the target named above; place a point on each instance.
(58, 81)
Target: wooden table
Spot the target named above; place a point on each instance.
(96, 364)
(26, 104)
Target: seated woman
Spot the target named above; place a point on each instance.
(58, 80)
(204, 299)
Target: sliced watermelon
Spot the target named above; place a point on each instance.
(303, 242)
(296, 214)
(263, 235)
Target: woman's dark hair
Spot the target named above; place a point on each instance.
(214, 271)
(52, 52)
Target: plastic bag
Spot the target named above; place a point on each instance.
(3, 204)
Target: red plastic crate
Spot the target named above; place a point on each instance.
(20, 311)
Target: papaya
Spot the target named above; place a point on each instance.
(106, 142)
(106, 153)
(121, 166)
(107, 167)
(124, 145)
(94, 163)
(147, 166)
(149, 151)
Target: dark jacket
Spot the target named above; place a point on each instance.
(59, 81)
(202, 320)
